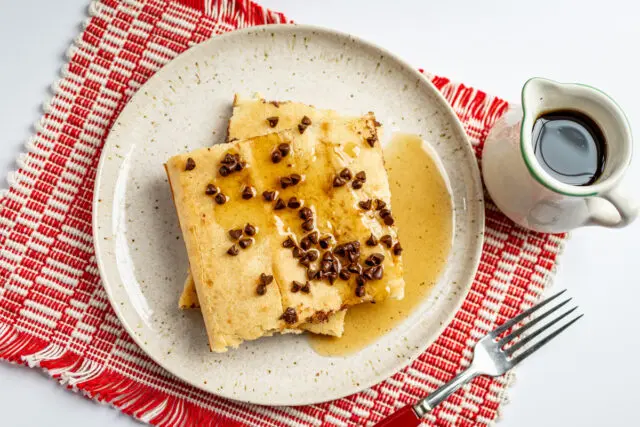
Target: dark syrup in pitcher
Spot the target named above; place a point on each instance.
(569, 146)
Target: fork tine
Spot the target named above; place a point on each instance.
(528, 352)
(509, 323)
(531, 336)
(531, 324)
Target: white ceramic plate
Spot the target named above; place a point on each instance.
(186, 105)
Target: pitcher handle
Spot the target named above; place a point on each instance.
(627, 210)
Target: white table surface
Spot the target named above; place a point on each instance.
(582, 379)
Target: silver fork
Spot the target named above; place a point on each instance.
(493, 356)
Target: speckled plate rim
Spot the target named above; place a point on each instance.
(455, 302)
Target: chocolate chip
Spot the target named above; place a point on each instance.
(249, 230)
(248, 192)
(302, 128)
(240, 166)
(276, 156)
(280, 204)
(360, 281)
(357, 184)
(326, 265)
(229, 159)
(307, 225)
(306, 288)
(355, 268)
(290, 316)
(340, 250)
(191, 164)
(297, 252)
(338, 181)
(328, 256)
(375, 273)
(313, 237)
(245, 243)
(211, 190)
(361, 176)
(331, 277)
(368, 273)
(273, 121)
(365, 204)
(388, 220)
(378, 272)
(293, 203)
(397, 249)
(266, 279)
(360, 291)
(288, 243)
(305, 243)
(284, 149)
(227, 169)
(345, 274)
(275, 104)
(372, 240)
(385, 213)
(261, 289)
(336, 266)
(304, 260)
(325, 242)
(352, 251)
(313, 255)
(374, 259)
(306, 121)
(348, 247)
(372, 140)
(313, 274)
(320, 316)
(387, 240)
(235, 234)
(380, 204)
(285, 182)
(296, 286)
(295, 178)
(220, 199)
(305, 213)
(346, 174)
(269, 196)
(233, 250)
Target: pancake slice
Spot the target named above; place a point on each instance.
(249, 119)
(226, 285)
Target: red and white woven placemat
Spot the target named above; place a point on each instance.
(55, 314)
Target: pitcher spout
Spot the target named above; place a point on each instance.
(541, 95)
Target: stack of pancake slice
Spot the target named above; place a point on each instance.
(287, 224)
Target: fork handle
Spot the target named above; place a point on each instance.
(409, 416)
(427, 404)
(405, 417)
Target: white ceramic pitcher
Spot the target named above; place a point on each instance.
(531, 197)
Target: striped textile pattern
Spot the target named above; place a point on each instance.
(54, 312)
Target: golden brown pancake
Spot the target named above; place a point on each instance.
(249, 119)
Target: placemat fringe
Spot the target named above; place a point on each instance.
(80, 374)
(14, 346)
